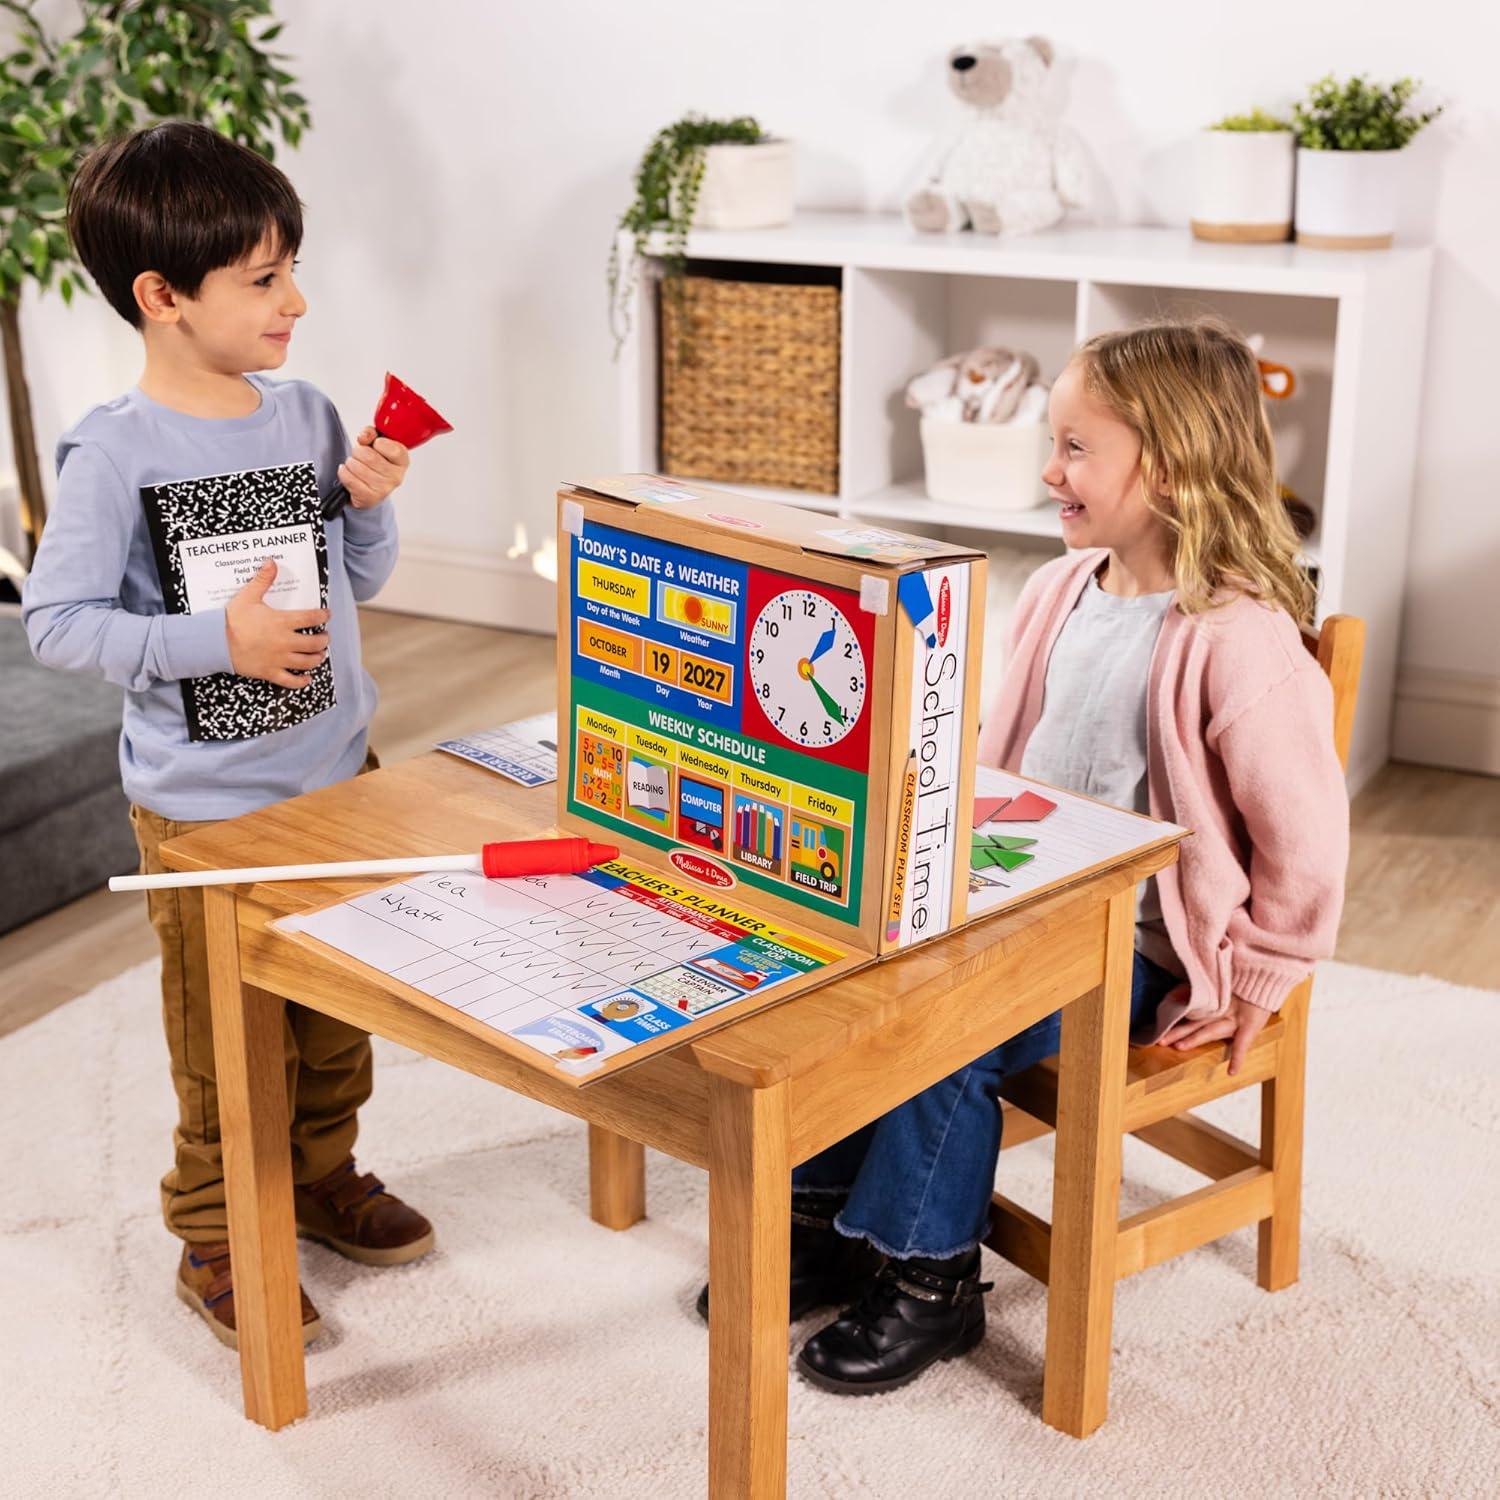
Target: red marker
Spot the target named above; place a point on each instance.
(544, 857)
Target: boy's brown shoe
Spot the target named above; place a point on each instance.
(205, 1283)
(351, 1212)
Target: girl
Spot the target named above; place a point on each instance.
(1156, 666)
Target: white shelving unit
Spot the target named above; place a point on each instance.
(1351, 325)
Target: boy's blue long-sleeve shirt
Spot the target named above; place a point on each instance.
(93, 602)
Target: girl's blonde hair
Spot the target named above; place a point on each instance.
(1191, 391)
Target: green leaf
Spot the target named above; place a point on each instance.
(28, 129)
(1358, 115)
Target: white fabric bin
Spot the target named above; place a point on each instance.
(985, 465)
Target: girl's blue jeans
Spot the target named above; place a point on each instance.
(919, 1178)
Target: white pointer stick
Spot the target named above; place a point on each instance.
(470, 863)
(509, 858)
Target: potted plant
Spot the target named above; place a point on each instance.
(708, 174)
(127, 63)
(1349, 140)
(1242, 179)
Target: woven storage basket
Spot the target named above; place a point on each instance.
(756, 401)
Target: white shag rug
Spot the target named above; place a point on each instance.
(536, 1354)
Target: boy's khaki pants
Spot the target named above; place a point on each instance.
(328, 1064)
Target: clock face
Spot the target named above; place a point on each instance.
(807, 670)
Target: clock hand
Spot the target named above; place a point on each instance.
(835, 712)
(824, 642)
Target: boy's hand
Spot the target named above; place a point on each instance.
(263, 641)
(1239, 1027)
(377, 465)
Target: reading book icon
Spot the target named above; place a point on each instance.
(648, 787)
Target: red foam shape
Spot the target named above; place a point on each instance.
(1027, 808)
(985, 808)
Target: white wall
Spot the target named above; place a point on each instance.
(468, 160)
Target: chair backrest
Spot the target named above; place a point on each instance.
(1340, 649)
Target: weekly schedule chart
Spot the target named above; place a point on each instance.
(579, 968)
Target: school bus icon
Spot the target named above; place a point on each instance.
(811, 850)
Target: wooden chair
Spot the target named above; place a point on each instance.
(1247, 1186)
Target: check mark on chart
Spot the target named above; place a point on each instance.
(536, 965)
(546, 922)
(601, 904)
(587, 939)
(573, 932)
(497, 948)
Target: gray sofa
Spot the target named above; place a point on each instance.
(64, 827)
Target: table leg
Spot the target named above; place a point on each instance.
(1086, 1186)
(749, 1271)
(251, 1065)
(617, 1179)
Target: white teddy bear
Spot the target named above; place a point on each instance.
(1011, 171)
(984, 385)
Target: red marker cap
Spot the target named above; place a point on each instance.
(544, 857)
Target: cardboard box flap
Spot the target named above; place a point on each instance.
(728, 512)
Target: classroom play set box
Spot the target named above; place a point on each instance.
(770, 714)
(771, 706)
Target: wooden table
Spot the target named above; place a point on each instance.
(747, 1102)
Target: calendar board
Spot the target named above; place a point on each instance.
(758, 700)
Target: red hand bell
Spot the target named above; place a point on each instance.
(402, 416)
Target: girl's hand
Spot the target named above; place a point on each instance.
(1239, 1027)
(375, 468)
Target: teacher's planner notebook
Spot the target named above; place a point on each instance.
(210, 537)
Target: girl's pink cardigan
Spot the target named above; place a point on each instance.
(1239, 750)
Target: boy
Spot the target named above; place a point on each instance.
(191, 239)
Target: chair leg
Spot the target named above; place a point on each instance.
(617, 1179)
(1281, 1109)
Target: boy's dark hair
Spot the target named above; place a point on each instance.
(179, 199)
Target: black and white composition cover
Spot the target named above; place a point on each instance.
(210, 536)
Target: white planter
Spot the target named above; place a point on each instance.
(985, 465)
(746, 186)
(1346, 200)
(1242, 185)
